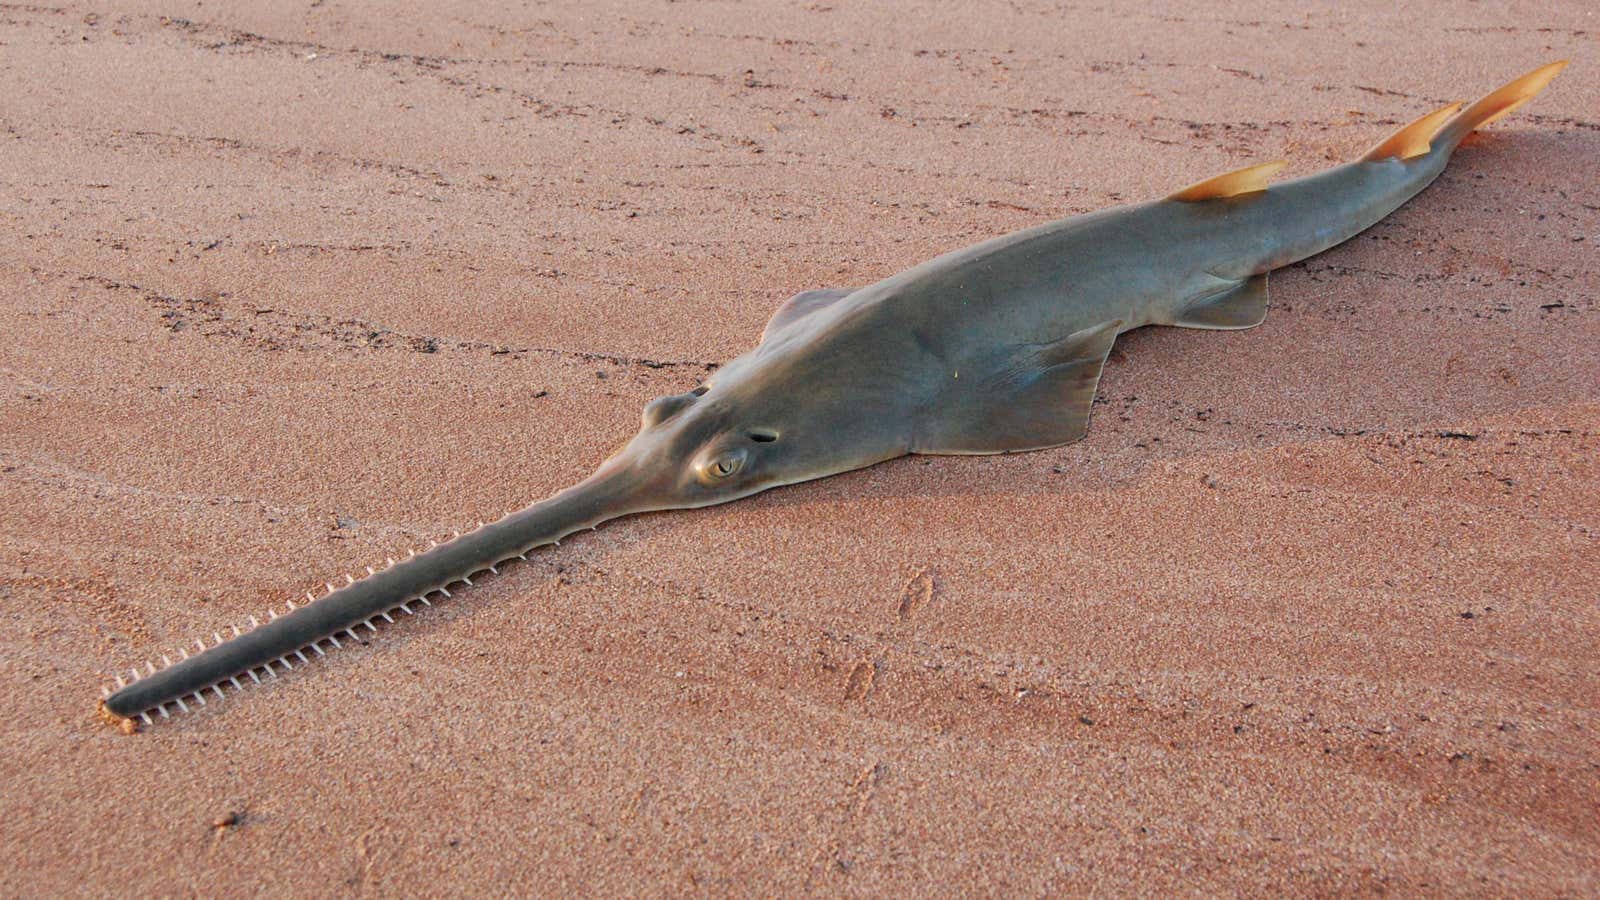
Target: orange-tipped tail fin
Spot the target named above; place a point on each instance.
(1415, 139)
(1244, 181)
(1500, 103)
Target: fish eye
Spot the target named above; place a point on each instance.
(723, 465)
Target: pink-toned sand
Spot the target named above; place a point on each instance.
(285, 291)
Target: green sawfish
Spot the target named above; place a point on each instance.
(994, 348)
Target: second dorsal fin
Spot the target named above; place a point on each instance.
(1249, 180)
(1415, 139)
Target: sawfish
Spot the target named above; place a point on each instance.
(995, 348)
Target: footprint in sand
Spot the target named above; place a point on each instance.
(860, 681)
(917, 593)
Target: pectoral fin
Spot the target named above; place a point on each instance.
(801, 305)
(1243, 305)
(1039, 398)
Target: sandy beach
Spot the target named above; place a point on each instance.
(288, 290)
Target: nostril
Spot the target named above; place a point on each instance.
(763, 435)
(699, 391)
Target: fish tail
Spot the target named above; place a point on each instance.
(1498, 104)
(1444, 128)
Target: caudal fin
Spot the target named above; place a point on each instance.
(1439, 129)
(1499, 104)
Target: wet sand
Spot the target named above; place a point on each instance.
(1312, 609)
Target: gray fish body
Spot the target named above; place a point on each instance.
(1141, 264)
(995, 348)
(902, 349)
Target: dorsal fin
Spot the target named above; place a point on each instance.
(1415, 139)
(1249, 180)
(801, 305)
